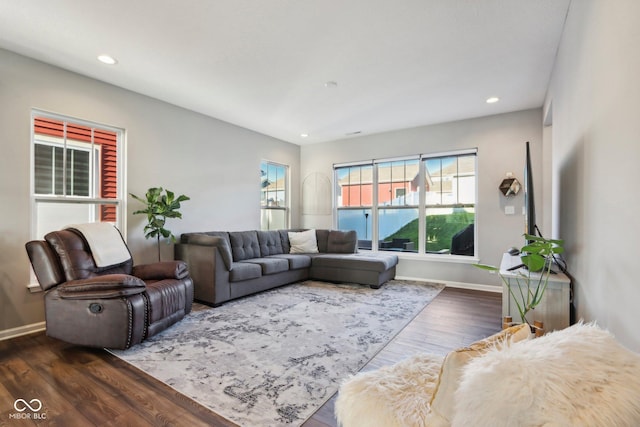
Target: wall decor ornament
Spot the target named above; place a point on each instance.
(509, 186)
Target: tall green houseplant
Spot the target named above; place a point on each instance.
(159, 207)
(536, 256)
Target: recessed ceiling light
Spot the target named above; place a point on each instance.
(493, 100)
(107, 59)
(304, 135)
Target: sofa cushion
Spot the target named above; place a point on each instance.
(244, 245)
(296, 261)
(442, 402)
(270, 265)
(369, 262)
(342, 242)
(244, 271)
(303, 242)
(322, 236)
(284, 238)
(270, 243)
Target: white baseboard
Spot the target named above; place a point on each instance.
(22, 330)
(461, 285)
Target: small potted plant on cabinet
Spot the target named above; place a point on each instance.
(537, 257)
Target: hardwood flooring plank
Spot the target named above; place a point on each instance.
(25, 383)
(147, 389)
(87, 397)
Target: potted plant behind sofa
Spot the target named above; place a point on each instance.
(159, 207)
(537, 256)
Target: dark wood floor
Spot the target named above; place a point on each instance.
(84, 387)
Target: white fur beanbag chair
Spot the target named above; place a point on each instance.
(416, 392)
(392, 396)
(579, 376)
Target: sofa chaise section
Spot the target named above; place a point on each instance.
(228, 265)
(367, 269)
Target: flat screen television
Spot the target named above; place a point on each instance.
(529, 200)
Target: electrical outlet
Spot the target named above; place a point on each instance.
(509, 210)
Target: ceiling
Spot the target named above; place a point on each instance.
(267, 65)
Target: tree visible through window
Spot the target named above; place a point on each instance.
(75, 172)
(450, 188)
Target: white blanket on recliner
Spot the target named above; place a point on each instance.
(105, 242)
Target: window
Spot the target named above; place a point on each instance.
(398, 201)
(274, 212)
(355, 201)
(421, 204)
(75, 173)
(450, 195)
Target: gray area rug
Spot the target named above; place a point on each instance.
(274, 358)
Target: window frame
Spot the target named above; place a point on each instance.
(285, 206)
(44, 140)
(422, 206)
(95, 171)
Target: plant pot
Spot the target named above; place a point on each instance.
(537, 329)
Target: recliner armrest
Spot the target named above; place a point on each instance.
(162, 270)
(106, 286)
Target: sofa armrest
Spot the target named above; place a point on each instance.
(161, 270)
(106, 286)
(222, 244)
(208, 270)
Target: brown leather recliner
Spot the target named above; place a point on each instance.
(108, 307)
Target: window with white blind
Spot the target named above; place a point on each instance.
(76, 173)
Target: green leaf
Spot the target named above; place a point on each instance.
(533, 262)
(159, 207)
(486, 267)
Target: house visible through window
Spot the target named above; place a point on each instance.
(76, 167)
(421, 204)
(355, 201)
(274, 212)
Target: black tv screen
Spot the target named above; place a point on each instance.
(529, 201)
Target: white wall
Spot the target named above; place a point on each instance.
(500, 140)
(595, 98)
(215, 163)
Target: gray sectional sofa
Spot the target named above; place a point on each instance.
(228, 265)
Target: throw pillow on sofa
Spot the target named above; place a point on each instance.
(303, 242)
